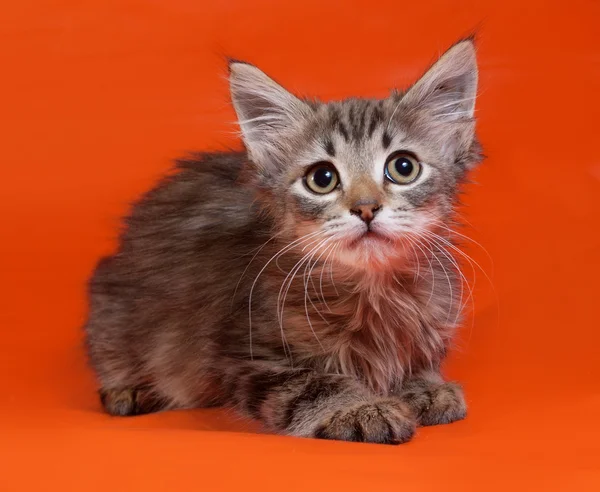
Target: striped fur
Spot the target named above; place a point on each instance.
(235, 285)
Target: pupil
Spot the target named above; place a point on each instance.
(404, 167)
(323, 177)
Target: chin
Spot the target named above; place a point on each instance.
(371, 252)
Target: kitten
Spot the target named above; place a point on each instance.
(308, 283)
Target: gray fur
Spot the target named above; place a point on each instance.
(235, 285)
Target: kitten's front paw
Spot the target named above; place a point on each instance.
(386, 421)
(435, 404)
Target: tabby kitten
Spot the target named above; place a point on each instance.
(308, 283)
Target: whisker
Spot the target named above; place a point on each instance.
(449, 256)
(468, 258)
(248, 266)
(319, 299)
(472, 264)
(276, 255)
(448, 280)
(467, 238)
(321, 276)
(431, 269)
(331, 271)
(418, 262)
(293, 273)
(307, 297)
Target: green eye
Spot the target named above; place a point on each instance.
(402, 168)
(322, 178)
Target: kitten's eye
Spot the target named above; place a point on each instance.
(321, 178)
(402, 168)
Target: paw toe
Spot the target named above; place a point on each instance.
(447, 404)
(384, 422)
(122, 402)
(118, 402)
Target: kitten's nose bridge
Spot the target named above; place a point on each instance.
(365, 199)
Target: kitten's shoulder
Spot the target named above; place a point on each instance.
(204, 190)
(225, 165)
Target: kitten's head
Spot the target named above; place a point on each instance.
(361, 177)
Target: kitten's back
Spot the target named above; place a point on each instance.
(169, 286)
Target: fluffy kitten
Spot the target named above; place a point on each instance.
(308, 283)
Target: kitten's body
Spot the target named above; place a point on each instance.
(223, 291)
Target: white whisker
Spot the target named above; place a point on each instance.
(322, 298)
(307, 297)
(289, 279)
(470, 260)
(434, 238)
(276, 255)
(431, 269)
(471, 240)
(321, 276)
(418, 262)
(248, 266)
(448, 280)
(331, 272)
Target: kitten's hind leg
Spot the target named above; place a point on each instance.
(124, 402)
(305, 403)
(433, 400)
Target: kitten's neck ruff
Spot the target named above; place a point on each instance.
(387, 335)
(382, 328)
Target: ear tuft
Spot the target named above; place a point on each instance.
(234, 61)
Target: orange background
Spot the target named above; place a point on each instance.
(98, 96)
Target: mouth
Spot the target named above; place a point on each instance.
(368, 238)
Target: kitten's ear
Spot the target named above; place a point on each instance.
(444, 98)
(448, 89)
(266, 112)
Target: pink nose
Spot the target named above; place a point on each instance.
(365, 210)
